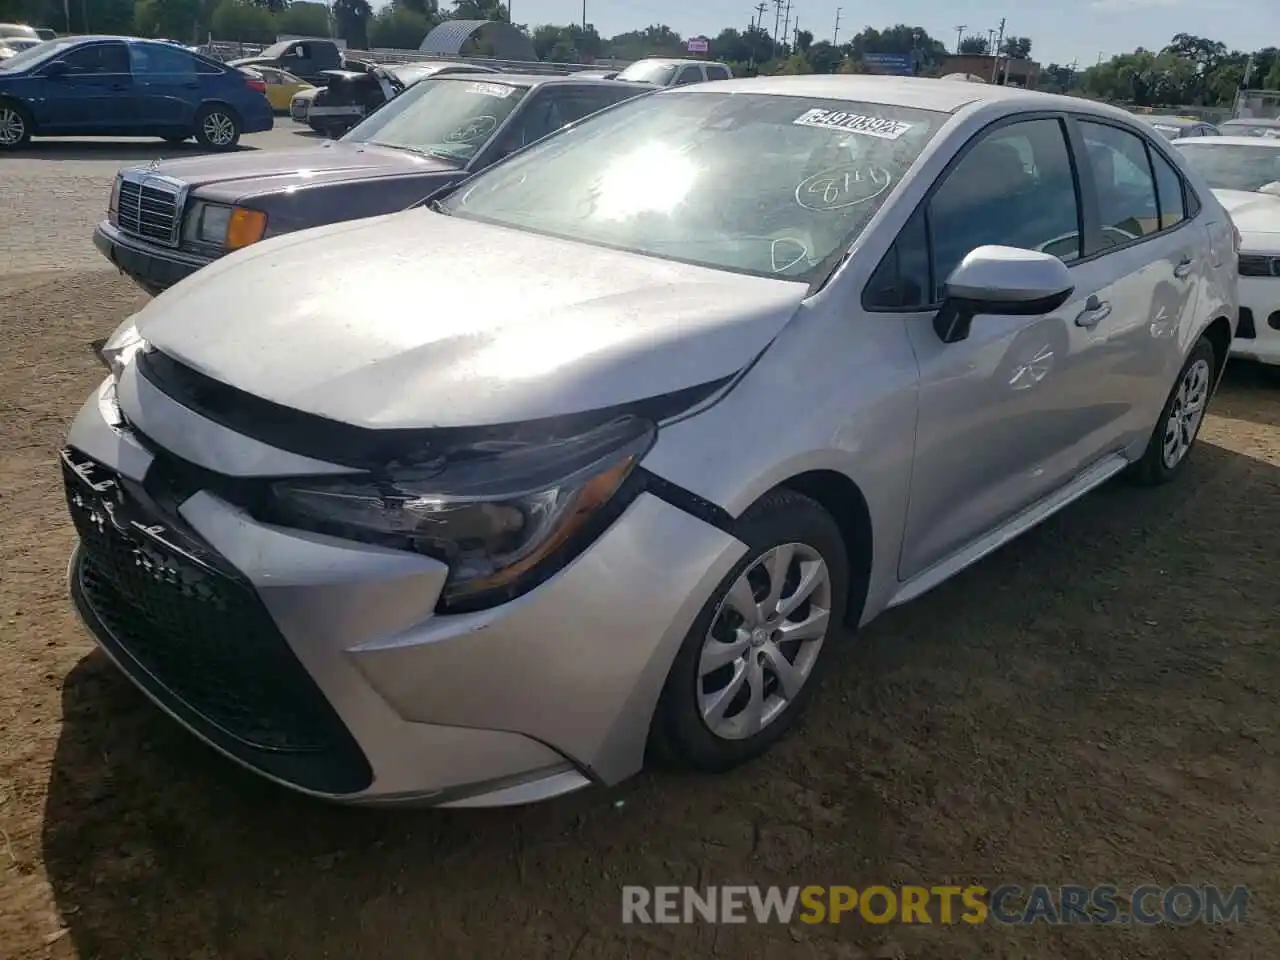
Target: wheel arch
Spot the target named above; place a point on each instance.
(841, 497)
(1219, 334)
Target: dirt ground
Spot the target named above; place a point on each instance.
(1096, 703)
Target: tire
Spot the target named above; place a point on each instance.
(680, 733)
(1197, 377)
(217, 127)
(16, 125)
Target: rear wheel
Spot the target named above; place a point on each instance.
(753, 658)
(217, 127)
(1179, 424)
(15, 125)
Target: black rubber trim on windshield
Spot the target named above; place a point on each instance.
(365, 448)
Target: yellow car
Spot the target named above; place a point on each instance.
(281, 86)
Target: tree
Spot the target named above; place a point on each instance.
(351, 19)
(1016, 48)
(975, 46)
(304, 19)
(399, 28)
(480, 10)
(245, 21)
(428, 8)
(174, 19)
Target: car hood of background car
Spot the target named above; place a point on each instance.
(247, 173)
(418, 319)
(1252, 213)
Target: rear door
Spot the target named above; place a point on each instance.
(94, 96)
(1149, 260)
(166, 86)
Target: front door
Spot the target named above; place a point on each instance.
(1011, 413)
(95, 94)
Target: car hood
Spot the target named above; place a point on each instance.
(250, 172)
(1252, 213)
(417, 319)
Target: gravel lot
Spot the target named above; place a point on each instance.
(1097, 703)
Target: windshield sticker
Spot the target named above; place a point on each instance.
(852, 123)
(839, 187)
(499, 90)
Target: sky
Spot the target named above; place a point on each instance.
(1060, 31)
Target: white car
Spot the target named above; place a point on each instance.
(1244, 173)
(300, 105)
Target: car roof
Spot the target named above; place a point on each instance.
(1173, 121)
(675, 60)
(945, 96)
(1273, 142)
(545, 80)
(1251, 122)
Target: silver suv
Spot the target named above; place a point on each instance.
(592, 458)
(668, 72)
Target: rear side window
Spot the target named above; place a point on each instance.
(161, 60)
(1126, 187)
(717, 72)
(576, 104)
(1169, 193)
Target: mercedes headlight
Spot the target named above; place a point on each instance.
(223, 225)
(503, 517)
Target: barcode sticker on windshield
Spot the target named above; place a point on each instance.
(491, 89)
(852, 123)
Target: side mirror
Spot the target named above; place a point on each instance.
(1272, 188)
(1001, 280)
(58, 68)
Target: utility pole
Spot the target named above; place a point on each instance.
(584, 16)
(759, 8)
(786, 23)
(777, 20)
(960, 35)
(795, 35)
(995, 64)
(835, 34)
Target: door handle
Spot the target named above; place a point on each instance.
(1094, 312)
(1183, 269)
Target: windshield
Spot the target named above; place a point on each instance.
(656, 73)
(766, 185)
(35, 55)
(1234, 167)
(446, 117)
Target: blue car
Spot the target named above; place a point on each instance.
(124, 87)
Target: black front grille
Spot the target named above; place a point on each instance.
(149, 211)
(1245, 329)
(197, 636)
(1253, 265)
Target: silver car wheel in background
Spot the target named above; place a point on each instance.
(1187, 413)
(12, 127)
(219, 129)
(763, 641)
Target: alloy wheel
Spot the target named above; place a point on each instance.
(219, 129)
(1187, 413)
(13, 128)
(764, 640)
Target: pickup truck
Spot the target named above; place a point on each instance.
(306, 59)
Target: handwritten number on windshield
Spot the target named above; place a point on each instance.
(839, 187)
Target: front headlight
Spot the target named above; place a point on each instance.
(223, 225)
(503, 518)
(119, 349)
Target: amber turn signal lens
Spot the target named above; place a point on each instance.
(245, 227)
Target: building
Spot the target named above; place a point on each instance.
(1013, 72)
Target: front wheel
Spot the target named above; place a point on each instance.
(218, 128)
(1180, 420)
(755, 654)
(15, 125)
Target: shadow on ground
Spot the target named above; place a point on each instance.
(52, 148)
(1088, 705)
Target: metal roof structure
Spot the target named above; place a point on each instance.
(506, 41)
